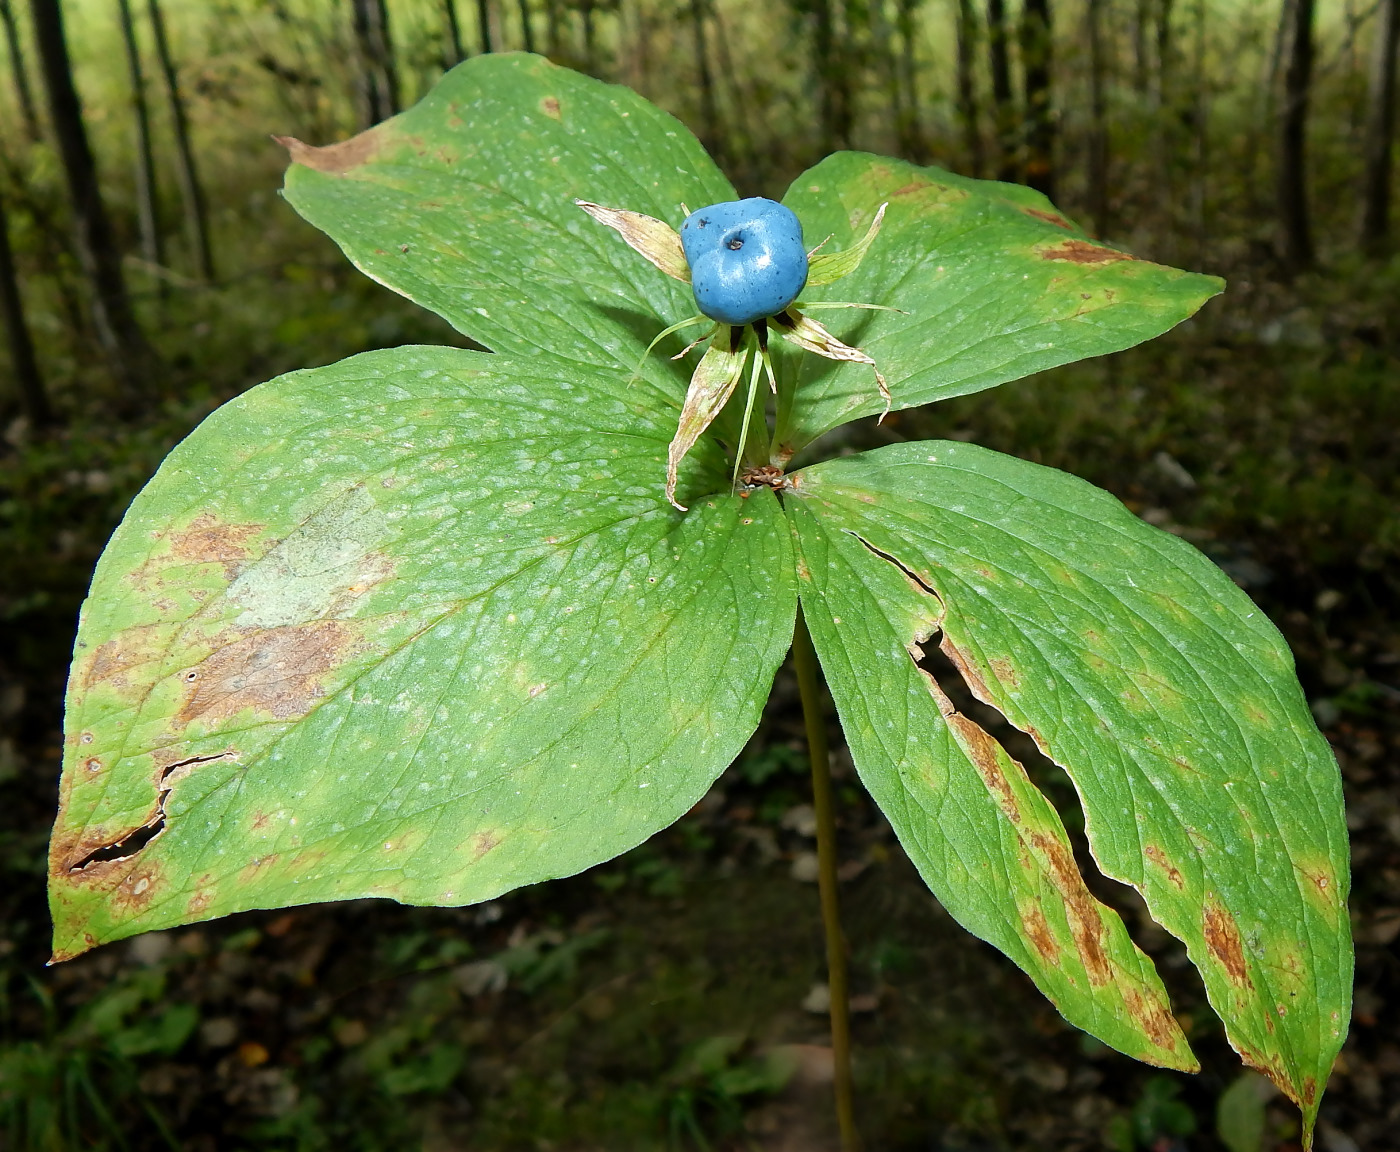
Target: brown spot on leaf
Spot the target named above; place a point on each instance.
(1006, 672)
(967, 670)
(138, 888)
(1155, 1019)
(335, 159)
(982, 750)
(278, 672)
(111, 661)
(250, 871)
(1048, 217)
(550, 107)
(1083, 252)
(1223, 940)
(1081, 908)
(1037, 930)
(482, 843)
(62, 954)
(199, 903)
(207, 539)
(1158, 857)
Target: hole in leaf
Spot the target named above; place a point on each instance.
(1052, 781)
(1049, 778)
(139, 837)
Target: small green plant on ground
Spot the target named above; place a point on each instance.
(431, 624)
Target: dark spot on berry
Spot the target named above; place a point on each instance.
(736, 243)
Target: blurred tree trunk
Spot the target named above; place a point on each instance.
(1296, 49)
(833, 76)
(1036, 59)
(191, 188)
(887, 61)
(710, 132)
(556, 41)
(590, 62)
(1200, 138)
(1164, 52)
(117, 331)
(146, 214)
(33, 399)
(19, 74)
(739, 139)
(454, 52)
(911, 136)
(998, 48)
(527, 30)
(55, 244)
(967, 87)
(1098, 118)
(377, 76)
(483, 25)
(1380, 133)
(1141, 68)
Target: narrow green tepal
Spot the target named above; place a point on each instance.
(1141, 669)
(394, 628)
(991, 281)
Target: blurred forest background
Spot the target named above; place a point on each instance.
(673, 998)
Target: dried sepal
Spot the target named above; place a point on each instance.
(653, 238)
(828, 267)
(807, 333)
(714, 381)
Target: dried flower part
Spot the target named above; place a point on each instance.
(714, 381)
(828, 267)
(653, 238)
(807, 333)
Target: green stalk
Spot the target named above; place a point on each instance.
(809, 685)
(748, 414)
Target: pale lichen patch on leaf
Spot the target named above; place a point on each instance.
(319, 570)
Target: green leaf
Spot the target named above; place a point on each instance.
(988, 844)
(418, 625)
(1239, 1113)
(994, 283)
(1165, 693)
(465, 204)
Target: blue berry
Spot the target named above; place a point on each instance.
(746, 259)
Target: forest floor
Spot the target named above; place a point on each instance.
(673, 998)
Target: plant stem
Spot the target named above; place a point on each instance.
(809, 684)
